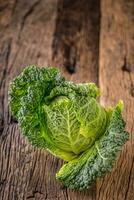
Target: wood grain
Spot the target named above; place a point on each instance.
(76, 39)
(32, 32)
(88, 42)
(116, 78)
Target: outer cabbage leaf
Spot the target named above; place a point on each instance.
(81, 172)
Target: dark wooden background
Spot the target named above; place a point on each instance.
(90, 41)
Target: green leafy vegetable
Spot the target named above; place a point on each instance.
(66, 119)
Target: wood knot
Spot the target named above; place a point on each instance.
(126, 67)
(70, 58)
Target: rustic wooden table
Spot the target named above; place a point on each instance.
(90, 42)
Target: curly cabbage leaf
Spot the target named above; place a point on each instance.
(66, 119)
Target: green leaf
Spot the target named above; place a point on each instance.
(81, 172)
(71, 112)
(62, 122)
(31, 76)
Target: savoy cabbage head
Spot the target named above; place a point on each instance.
(66, 119)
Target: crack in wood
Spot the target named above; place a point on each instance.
(2, 182)
(126, 66)
(132, 91)
(5, 55)
(35, 193)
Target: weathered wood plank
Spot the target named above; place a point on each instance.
(75, 45)
(28, 32)
(117, 82)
